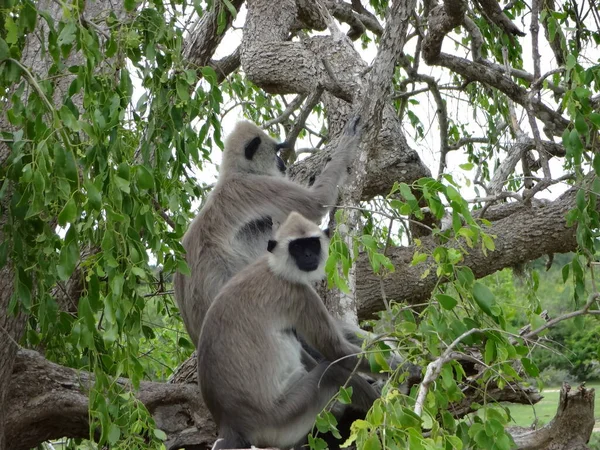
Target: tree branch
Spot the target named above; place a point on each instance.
(450, 14)
(49, 401)
(203, 39)
(527, 234)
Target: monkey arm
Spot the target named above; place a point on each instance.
(317, 326)
(325, 186)
(277, 197)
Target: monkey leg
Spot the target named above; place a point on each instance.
(292, 416)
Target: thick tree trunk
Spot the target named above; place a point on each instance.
(569, 430)
(48, 401)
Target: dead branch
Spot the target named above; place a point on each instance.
(569, 430)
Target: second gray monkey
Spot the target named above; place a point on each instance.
(250, 365)
(236, 222)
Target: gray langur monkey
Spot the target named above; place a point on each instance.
(236, 222)
(250, 368)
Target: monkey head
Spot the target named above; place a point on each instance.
(299, 251)
(248, 149)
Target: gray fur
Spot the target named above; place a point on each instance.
(251, 370)
(237, 220)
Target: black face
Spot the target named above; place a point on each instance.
(306, 252)
(280, 163)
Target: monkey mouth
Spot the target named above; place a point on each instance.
(309, 267)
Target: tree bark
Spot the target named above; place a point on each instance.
(569, 430)
(48, 401)
(527, 234)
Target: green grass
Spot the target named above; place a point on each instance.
(545, 410)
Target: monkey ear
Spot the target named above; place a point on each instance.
(251, 148)
(271, 245)
(327, 232)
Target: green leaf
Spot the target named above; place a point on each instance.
(345, 396)
(595, 119)
(94, 197)
(182, 90)
(183, 268)
(85, 312)
(68, 213)
(530, 367)
(122, 184)
(145, 180)
(406, 192)
(24, 295)
(69, 256)
(66, 115)
(581, 126)
(114, 433)
(565, 272)
(39, 183)
(488, 242)
(28, 16)
(484, 298)
(4, 50)
(231, 8)
(67, 34)
(129, 5)
(418, 258)
(116, 285)
(209, 74)
(12, 35)
(160, 434)
(447, 301)
(372, 443)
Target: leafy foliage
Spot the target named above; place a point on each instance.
(90, 174)
(98, 187)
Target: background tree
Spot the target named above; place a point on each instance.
(110, 110)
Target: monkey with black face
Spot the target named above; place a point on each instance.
(236, 222)
(250, 366)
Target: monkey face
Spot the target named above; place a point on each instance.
(279, 161)
(280, 164)
(306, 252)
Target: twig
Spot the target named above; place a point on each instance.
(381, 286)
(10, 338)
(468, 140)
(407, 94)
(159, 294)
(389, 216)
(545, 183)
(585, 310)
(311, 102)
(336, 33)
(537, 84)
(294, 105)
(494, 198)
(162, 213)
(306, 150)
(435, 368)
